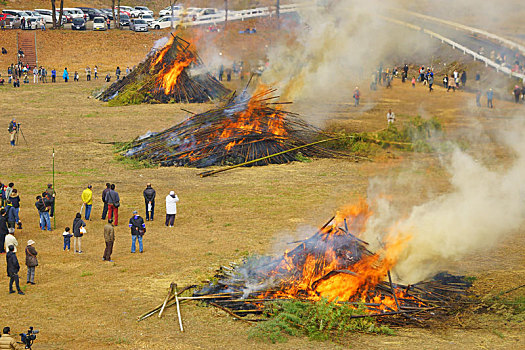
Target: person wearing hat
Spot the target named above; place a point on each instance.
(171, 208)
(138, 228)
(31, 261)
(87, 199)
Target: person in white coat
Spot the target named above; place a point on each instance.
(171, 208)
(10, 240)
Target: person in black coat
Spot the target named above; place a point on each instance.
(3, 230)
(138, 228)
(12, 270)
(77, 224)
(149, 199)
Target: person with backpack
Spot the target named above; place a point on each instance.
(138, 229)
(113, 200)
(31, 261)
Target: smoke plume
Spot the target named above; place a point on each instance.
(484, 206)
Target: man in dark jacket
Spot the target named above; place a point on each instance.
(51, 194)
(149, 199)
(3, 230)
(10, 215)
(109, 238)
(43, 205)
(138, 228)
(104, 194)
(113, 200)
(12, 270)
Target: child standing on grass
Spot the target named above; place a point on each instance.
(67, 238)
(413, 82)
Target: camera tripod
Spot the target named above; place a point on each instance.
(19, 132)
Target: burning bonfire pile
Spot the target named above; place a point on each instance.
(247, 129)
(336, 265)
(173, 74)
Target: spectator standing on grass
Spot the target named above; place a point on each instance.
(31, 261)
(490, 96)
(478, 77)
(87, 199)
(35, 75)
(430, 82)
(171, 208)
(43, 24)
(75, 76)
(113, 200)
(117, 73)
(107, 78)
(67, 238)
(43, 205)
(15, 201)
(445, 81)
(65, 75)
(12, 270)
(149, 199)
(413, 82)
(221, 72)
(44, 75)
(51, 195)
(517, 94)
(127, 71)
(10, 215)
(11, 185)
(10, 239)
(390, 117)
(478, 98)
(95, 70)
(109, 238)
(463, 78)
(3, 230)
(104, 193)
(356, 96)
(12, 128)
(138, 228)
(88, 73)
(78, 228)
(53, 75)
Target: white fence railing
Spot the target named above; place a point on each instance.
(509, 43)
(455, 45)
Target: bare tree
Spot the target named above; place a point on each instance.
(114, 17)
(61, 13)
(118, 14)
(226, 13)
(54, 14)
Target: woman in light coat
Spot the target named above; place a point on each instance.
(171, 208)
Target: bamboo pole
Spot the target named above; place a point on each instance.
(178, 307)
(209, 173)
(170, 291)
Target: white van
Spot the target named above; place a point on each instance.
(75, 13)
(48, 15)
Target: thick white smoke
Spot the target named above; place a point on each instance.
(484, 206)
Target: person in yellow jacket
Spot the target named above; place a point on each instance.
(87, 199)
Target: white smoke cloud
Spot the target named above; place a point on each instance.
(484, 206)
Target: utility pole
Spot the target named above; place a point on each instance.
(54, 199)
(172, 14)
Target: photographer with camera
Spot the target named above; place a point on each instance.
(13, 127)
(6, 340)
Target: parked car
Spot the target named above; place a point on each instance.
(108, 13)
(78, 24)
(144, 10)
(124, 20)
(165, 22)
(75, 12)
(48, 15)
(99, 23)
(138, 25)
(34, 14)
(148, 18)
(92, 12)
(17, 13)
(131, 12)
(11, 21)
(177, 11)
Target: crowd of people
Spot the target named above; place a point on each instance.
(45, 205)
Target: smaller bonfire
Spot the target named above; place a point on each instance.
(173, 74)
(247, 128)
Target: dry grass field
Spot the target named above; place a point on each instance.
(81, 302)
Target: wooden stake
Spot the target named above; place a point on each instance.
(170, 291)
(178, 307)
